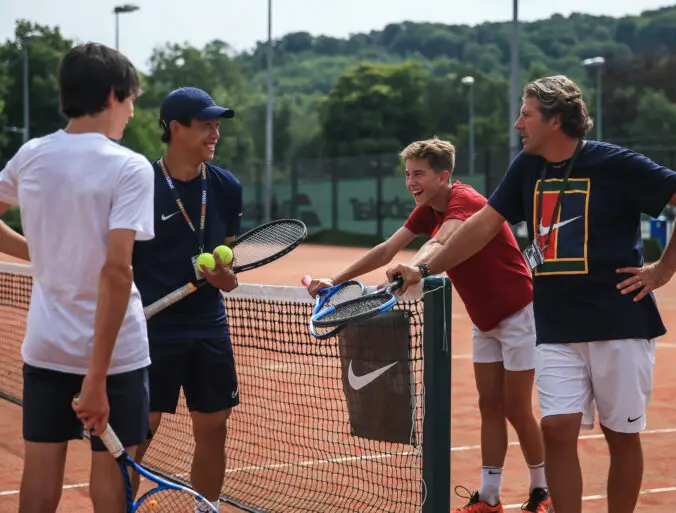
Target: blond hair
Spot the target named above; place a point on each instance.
(559, 96)
(440, 155)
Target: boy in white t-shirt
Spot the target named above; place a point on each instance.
(84, 200)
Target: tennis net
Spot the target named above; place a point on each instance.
(291, 442)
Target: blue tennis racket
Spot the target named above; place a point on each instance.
(329, 297)
(166, 497)
(363, 307)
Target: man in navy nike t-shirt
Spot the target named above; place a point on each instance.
(582, 202)
(198, 207)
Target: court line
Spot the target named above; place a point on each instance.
(65, 487)
(604, 496)
(663, 431)
(461, 448)
(311, 463)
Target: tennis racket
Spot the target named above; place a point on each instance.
(328, 297)
(363, 307)
(255, 248)
(166, 497)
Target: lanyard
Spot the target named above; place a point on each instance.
(559, 199)
(203, 214)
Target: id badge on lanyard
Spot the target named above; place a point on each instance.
(534, 254)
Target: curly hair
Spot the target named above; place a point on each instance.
(560, 96)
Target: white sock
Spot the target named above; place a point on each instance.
(537, 476)
(491, 485)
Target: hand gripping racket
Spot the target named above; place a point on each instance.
(328, 297)
(166, 497)
(364, 307)
(255, 248)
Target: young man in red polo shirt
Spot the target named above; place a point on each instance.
(496, 287)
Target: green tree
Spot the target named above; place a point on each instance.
(45, 47)
(655, 116)
(375, 108)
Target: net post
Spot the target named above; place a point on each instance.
(437, 381)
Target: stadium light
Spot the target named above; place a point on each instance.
(121, 9)
(469, 82)
(597, 63)
(269, 155)
(514, 83)
(26, 99)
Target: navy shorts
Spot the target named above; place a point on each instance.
(49, 417)
(205, 368)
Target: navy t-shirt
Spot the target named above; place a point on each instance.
(597, 230)
(164, 263)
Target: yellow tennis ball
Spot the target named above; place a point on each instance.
(152, 504)
(224, 253)
(206, 260)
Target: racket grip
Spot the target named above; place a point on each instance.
(168, 300)
(112, 442)
(305, 280)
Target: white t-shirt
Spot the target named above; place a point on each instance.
(72, 189)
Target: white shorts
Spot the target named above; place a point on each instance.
(614, 377)
(511, 342)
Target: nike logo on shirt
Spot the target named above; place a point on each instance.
(358, 382)
(544, 230)
(164, 218)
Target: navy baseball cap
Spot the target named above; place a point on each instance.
(191, 103)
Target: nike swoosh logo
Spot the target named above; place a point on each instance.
(358, 382)
(544, 230)
(164, 218)
(629, 419)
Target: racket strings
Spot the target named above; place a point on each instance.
(346, 293)
(267, 242)
(173, 501)
(345, 311)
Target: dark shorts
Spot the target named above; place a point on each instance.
(49, 417)
(205, 368)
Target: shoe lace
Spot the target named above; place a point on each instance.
(533, 501)
(473, 498)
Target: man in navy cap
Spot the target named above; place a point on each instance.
(198, 207)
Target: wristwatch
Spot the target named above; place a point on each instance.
(424, 270)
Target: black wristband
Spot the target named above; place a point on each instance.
(424, 270)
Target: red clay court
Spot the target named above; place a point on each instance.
(659, 441)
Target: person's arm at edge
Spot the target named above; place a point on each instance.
(653, 187)
(115, 282)
(11, 242)
(650, 276)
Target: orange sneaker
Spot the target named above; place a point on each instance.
(538, 502)
(476, 505)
